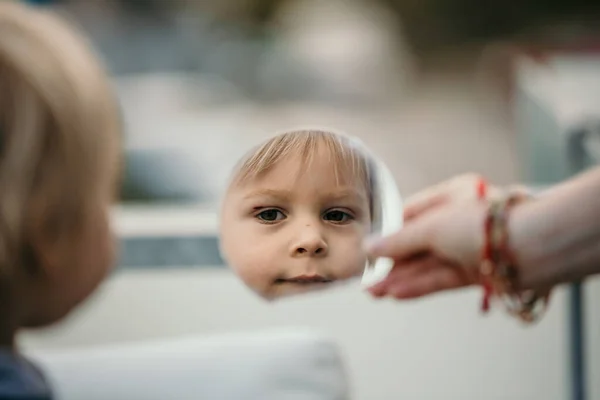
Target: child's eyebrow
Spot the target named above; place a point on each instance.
(333, 195)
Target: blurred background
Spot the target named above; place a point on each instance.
(434, 88)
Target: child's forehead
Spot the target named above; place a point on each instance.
(323, 157)
(298, 170)
(304, 184)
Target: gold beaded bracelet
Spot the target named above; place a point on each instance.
(498, 269)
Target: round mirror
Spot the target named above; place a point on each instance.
(298, 208)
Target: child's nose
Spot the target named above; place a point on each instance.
(310, 244)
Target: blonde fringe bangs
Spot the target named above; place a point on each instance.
(348, 160)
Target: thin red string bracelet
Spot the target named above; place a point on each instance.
(486, 256)
(482, 189)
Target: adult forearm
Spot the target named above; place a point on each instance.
(556, 239)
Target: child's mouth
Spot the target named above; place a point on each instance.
(305, 280)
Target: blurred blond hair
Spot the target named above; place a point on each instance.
(58, 121)
(349, 160)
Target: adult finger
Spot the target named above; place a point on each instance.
(416, 207)
(421, 277)
(402, 270)
(426, 283)
(426, 199)
(466, 186)
(411, 240)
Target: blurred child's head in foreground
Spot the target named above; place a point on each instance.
(59, 159)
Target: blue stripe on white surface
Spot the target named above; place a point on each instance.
(171, 236)
(170, 252)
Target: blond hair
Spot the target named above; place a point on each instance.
(58, 118)
(349, 160)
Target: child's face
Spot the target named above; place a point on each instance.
(296, 228)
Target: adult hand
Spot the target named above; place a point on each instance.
(466, 187)
(437, 251)
(439, 247)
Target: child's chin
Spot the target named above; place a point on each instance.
(295, 290)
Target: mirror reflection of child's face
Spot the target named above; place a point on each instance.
(296, 227)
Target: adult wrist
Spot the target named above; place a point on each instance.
(525, 247)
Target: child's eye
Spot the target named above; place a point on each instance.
(270, 216)
(338, 216)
